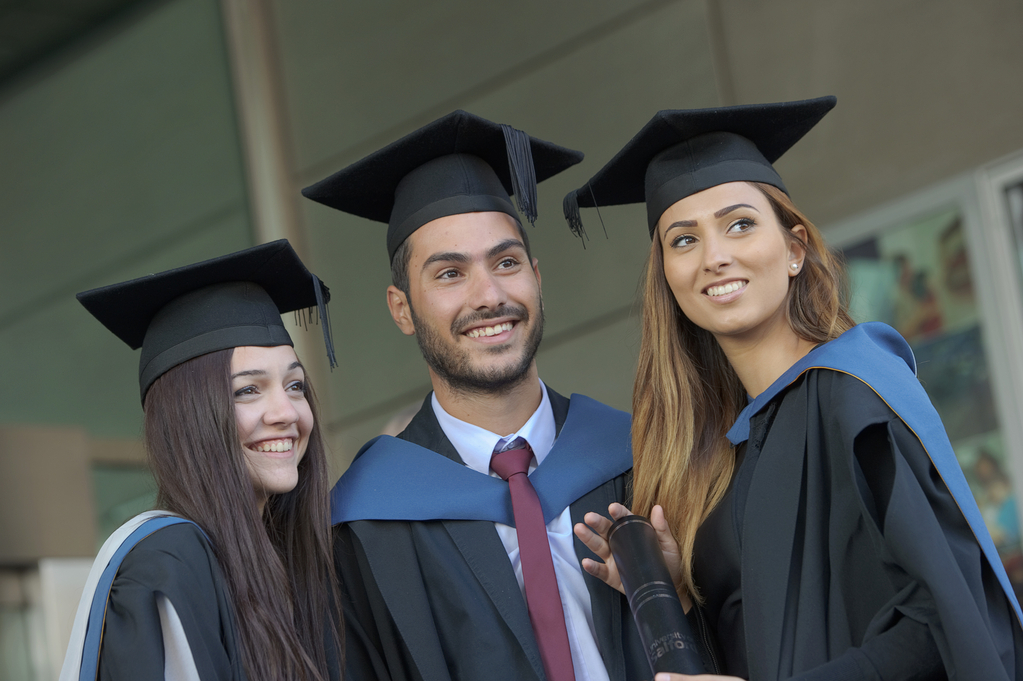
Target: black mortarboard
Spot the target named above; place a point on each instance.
(226, 302)
(460, 163)
(683, 151)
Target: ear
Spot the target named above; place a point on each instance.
(797, 251)
(397, 303)
(536, 271)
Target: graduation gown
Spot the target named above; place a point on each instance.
(860, 549)
(434, 596)
(177, 562)
(155, 603)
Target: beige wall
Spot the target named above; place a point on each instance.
(926, 89)
(47, 508)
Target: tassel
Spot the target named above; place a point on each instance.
(597, 206)
(575, 222)
(321, 308)
(523, 173)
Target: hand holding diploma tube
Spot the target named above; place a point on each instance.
(634, 563)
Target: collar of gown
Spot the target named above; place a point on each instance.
(856, 352)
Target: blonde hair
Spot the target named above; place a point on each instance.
(687, 395)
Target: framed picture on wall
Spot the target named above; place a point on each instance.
(914, 266)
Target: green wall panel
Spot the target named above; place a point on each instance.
(121, 161)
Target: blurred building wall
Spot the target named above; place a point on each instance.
(120, 158)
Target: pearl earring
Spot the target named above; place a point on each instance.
(794, 266)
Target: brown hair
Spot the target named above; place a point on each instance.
(278, 567)
(687, 395)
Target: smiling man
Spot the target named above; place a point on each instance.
(454, 563)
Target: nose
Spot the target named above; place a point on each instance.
(716, 254)
(486, 292)
(280, 409)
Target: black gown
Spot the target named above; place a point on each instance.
(840, 554)
(439, 600)
(178, 562)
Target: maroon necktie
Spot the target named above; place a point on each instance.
(542, 598)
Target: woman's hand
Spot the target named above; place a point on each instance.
(700, 677)
(594, 535)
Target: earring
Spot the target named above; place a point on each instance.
(794, 266)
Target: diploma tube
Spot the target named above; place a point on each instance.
(663, 628)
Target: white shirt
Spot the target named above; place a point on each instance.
(476, 445)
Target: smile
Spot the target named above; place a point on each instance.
(282, 445)
(481, 331)
(725, 289)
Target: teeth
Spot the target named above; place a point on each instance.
(489, 330)
(274, 446)
(726, 288)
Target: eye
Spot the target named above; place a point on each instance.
(447, 274)
(247, 390)
(297, 386)
(507, 263)
(683, 240)
(741, 226)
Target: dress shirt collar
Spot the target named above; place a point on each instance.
(475, 445)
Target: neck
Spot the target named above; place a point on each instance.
(501, 412)
(759, 361)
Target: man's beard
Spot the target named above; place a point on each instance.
(454, 365)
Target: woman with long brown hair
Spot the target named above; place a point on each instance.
(803, 488)
(232, 577)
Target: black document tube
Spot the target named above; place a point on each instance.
(663, 628)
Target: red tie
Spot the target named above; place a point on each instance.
(542, 598)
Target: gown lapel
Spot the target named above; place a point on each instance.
(478, 542)
(484, 553)
(606, 603)
(767, 553)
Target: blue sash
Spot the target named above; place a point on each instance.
(876, 354)
(97, 613)
(392, 479)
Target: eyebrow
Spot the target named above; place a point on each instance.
(260, 372)
(505, 245)
(463, 258)
(719, 214)
(725, 211)
(449, 256)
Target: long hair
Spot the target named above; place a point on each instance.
(278, 567)
(687, 395)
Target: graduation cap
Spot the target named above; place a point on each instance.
(683, 151)
(460, 163)
(231, 301)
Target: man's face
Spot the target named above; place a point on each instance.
(474, 301)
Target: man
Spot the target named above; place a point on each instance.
(448, 570)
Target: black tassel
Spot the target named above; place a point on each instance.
(575, 222)
(523, 174)
(321, 308)
(597, 206)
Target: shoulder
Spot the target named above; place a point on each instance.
(846, 405)
(174, 556)
(840, 389)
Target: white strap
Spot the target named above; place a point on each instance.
(178, 664)
(73, 657)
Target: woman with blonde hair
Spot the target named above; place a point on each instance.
(232, 576)
(802, 485)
